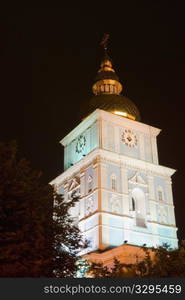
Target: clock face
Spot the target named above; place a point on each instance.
(129, 138)
(80, 143)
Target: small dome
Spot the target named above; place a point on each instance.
(117, 104)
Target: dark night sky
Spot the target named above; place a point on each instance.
(49, 57)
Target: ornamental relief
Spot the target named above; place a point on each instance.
(90, 205)
(115, 204)
(162, 214)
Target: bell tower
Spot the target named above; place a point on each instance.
(111, 163)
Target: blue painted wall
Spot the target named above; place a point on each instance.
(92, 142)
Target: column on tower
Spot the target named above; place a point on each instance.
(171, 212)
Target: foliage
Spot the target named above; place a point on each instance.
(164, 262)
(33, 243)
(68, 241)
(117, 270)
(99, 270)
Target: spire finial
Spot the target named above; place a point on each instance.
(106, 81)
(104, 42)
(106, 61)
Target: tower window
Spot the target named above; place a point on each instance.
(160, 196)
(133, 205)
(113, 182)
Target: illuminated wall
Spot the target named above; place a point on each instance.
(144, 144)
(125, 195)
(83, 140)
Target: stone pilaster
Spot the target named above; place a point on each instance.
(154, 150)
(95, 176)
(124, 179)
(151, 198)
(82, 192)
(142, 146)
(117, 139)
(169, 191)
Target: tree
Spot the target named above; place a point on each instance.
(33, 242)
(118, 270)
(68, 240)
(165, 262)
(99, 270)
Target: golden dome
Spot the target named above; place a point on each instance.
(116, 104)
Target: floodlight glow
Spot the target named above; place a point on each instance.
(121, 113)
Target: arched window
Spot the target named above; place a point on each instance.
(160, 194)
(133, 204)
(113, 182)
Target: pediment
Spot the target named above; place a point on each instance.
(74, 184)
(138, 179)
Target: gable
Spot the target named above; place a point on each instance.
(137, 179)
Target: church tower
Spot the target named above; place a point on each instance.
(111, 163)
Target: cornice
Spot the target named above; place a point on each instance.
(104, 156)
(121, 121)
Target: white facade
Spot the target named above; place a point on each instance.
(125, 195)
